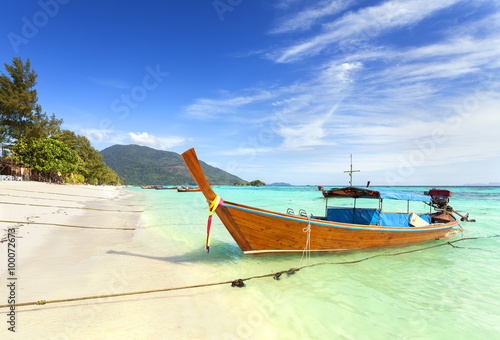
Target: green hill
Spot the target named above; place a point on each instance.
(141, 165)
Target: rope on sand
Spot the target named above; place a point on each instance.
(56, 206)
(64, 225)
(63, 194)
(60, 199)
(239, 282)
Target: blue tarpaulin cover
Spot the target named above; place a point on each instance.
(403, 195)
(345, 215)
(399, 219)
(354, 192)
(371, 217)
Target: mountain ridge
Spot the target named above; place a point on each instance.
(142, 165)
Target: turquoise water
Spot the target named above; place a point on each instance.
(439, 293)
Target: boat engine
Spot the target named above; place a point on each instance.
(440, 198)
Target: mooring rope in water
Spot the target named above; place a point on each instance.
(241, 282)
(84, 208)
(64, 225)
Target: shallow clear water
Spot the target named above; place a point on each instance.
(439, 293)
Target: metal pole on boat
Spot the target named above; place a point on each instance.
(350, 172)
(354, 210)
(380, 209)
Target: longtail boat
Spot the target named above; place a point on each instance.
(166, 187)
(188, 189)
(262, 232)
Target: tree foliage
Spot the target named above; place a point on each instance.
(91, 166)
(45, 155)
(256, 183)
(39, 142)
(20, 114)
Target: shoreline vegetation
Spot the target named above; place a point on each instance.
(256, 183)
(34, 145)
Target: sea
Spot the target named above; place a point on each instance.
(450, 291)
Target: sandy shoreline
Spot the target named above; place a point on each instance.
(60, 262)
(53, 259)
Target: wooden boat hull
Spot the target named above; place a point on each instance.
(263, 232)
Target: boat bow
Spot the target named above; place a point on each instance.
(193, 164)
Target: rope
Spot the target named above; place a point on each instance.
(59, 199)
(56, 206)
(44, 302)
(64, 225)
(307, 249)
(61, 194)
(240, 282)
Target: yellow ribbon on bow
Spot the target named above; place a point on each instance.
(217, 202)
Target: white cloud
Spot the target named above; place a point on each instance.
(252, 151)
(308, 134)
(445, 60)
(103, 135)
(342, 72)
(161, 143)
(390, 100)
(106, 137)
(305, 19)
(364, 24)
(205, 108)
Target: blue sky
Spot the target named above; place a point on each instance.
(276, 90)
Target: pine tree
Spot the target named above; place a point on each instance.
(20, 114)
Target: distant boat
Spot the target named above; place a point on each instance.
(166, 187)
(147, 187)
(262, 232)
(188, 189)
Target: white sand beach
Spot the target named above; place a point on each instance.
(56, 261)
(87, 241)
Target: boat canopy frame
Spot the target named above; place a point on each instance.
(356, 193)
